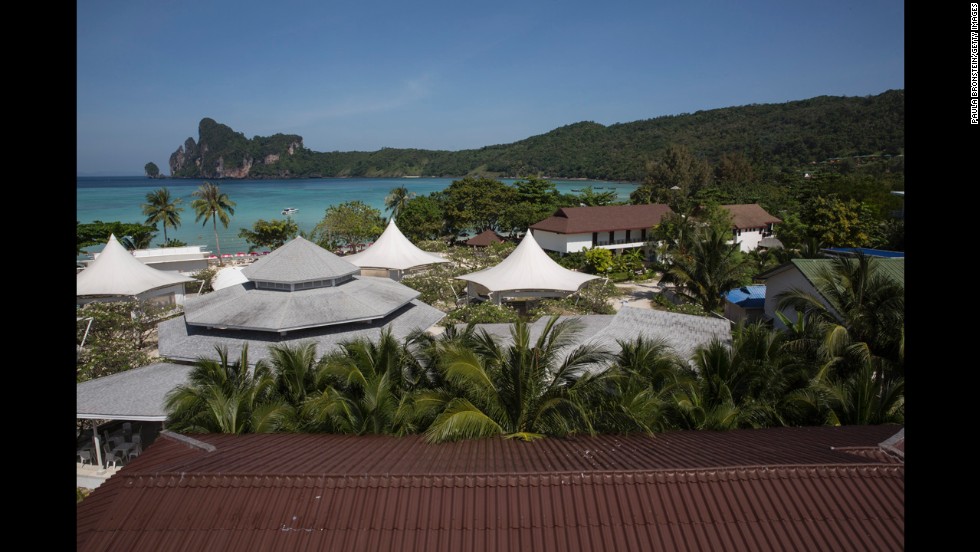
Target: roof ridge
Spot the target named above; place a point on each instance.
(189, 441)
(184, 473)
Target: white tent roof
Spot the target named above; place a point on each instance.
(227, 277)
(117, 273)
(392, 250)
(528, 268)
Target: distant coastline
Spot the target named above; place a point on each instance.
(118, 198)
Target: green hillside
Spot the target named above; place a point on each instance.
(774, 136)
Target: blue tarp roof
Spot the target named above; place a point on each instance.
(868, 252)
(748, 297)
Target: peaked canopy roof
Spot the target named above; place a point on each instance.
(115, 272)
(528, 268)
(299, 260)
(392, 250)
(227, 277)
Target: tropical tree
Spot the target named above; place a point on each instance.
(476, 204)
(638, 390)
(351, 222)
(675, 176)
(421, 219)
(710, 266)
(591, 198)
(139, 238)
(363, 389)
(524, 390)
(858, 303)
(866, 397)
(113, 337)
(269, 233)
(221, 396)
(97, 233)
(161, 207)
(397, 199)
(214, 205)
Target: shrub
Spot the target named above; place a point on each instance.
(483, 313)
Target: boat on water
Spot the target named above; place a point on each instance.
(289, 210)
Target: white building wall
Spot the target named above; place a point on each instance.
(788, 279)
(577, 242)
(749, 240)
(562, 243)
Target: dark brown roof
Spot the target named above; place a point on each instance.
(577, 220)
(767, 489)
(749, 215)
(485, 238)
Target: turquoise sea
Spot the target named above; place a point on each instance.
(120, 198)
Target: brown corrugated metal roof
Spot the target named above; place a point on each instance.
(608, 218)
(771, 489)
(749, 215)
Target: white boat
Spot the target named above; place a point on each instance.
(290, 210)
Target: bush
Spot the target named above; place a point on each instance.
(662, 303)
(593, 298)
(205, 275)
(483, 313)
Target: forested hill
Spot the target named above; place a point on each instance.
(770, 135)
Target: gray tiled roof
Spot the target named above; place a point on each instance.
(300, 260)
(135, 394)
(682, 332)
(243, 306)
(181, 341)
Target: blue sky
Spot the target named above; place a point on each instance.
(366, 74)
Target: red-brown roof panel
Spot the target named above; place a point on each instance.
(681, 490)
(578, 220)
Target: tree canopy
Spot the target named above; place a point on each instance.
(269, 233)
(351, 223)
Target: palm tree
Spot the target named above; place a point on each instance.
(397, 199)
(294, 369)
(751, 383)
(363, 389)
(524, 390)
(867, 396)
(710, 266)
(211, 204)
(862, 305)
(160, 207)
(638, 387)
(225, 397)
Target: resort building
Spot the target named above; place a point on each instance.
(527, 272)
(786, 488)
(116, 275)
(393, 256)
(186, 260)
(298, 292)
(614, 227)
(750, 225)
